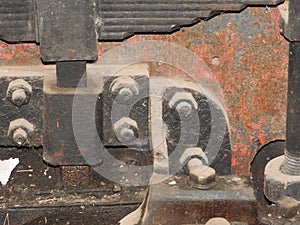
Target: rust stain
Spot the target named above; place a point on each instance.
(251, 67)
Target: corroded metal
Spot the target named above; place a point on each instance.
(248, 57)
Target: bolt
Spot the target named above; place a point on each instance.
(126, 89)
(278, 184)
(125, 94)
(288, 207)
(18, 97)
(217, 221)
(20, 136)
(291, 164)
(126, 130)
(201, 176)
(19, 131)
(185, 104)
(127, 134)
(184, 109)
(19, 92)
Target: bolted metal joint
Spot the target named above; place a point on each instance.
(19, 131)
(126, 130)
(201, 176)
(185, 105)
(125, 88)
(278, 184)
(19, 92)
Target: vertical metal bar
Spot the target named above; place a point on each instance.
(292, 153)
(293, 108)
(71, 74)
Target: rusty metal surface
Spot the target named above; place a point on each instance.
(246, 54)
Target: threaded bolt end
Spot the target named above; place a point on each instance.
(291, 165)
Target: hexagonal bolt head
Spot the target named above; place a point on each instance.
(201, 176)
(126, 130)
(126, 89)
(288, 207)
(19, 92)
(185, 104)
(19, 131)
(217, 221)
(190, 153)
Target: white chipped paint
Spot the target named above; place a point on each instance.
(6, 167)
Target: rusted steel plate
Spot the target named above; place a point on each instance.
(248, 57)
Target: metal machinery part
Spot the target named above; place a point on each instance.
(282, 173)
(41, 21)
(68, 32)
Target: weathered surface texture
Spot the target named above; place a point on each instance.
(248, 57)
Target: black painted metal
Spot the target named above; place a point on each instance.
(293, 111)
(32, 111)
(292, 154)
(292, 28)
(59, 143)
(67, 30)
(264, 155)
(71, 74)
(110, 111)
(17, 20)
(200, 128)
(76, 25)
(58, 123)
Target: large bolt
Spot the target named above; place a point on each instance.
(19, 131)
(19, 92)
(126, 130)
(278, 184)
(185, 105)
(126, 89)
(291, 164)
(217, 221)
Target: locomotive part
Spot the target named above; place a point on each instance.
(103, 145)
(19, 92)
(19, 131)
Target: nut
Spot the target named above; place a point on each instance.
(202, 178)
(278, 184)
(126, 130)
(185, 105)
(19, 92)
(217, 221)
(126, 89)
(19, 131)
(190, 153)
